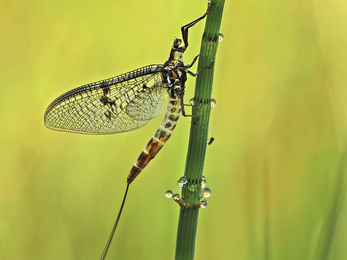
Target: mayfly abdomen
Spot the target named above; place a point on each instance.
(159, 138)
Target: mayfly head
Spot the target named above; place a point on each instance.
(176, 44)
(177, 51)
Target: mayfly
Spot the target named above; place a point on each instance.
(127, 102)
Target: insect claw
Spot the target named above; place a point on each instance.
(196, 122)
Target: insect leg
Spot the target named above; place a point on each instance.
(183, 111)
(184, 29)
(191, 65)
(195, 74)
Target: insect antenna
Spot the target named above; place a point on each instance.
(103, 256)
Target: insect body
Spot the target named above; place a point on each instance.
(210, 141)
(174, 77)
(127, 102)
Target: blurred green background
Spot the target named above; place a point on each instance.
(276, 169)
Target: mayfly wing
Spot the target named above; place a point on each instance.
(114, 105)
(151, 102)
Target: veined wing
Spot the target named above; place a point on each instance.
(114, 105)
(150, 103)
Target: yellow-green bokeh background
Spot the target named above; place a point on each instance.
(276, 168)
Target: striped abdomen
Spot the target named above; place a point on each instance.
(159, 138)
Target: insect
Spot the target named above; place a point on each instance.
(127, 102)
(210, 141)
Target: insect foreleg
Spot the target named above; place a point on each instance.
(184, 29)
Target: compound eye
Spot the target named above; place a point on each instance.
(177, 43)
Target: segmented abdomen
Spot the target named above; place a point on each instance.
(159, 138)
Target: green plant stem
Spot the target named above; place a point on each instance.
(188, 220)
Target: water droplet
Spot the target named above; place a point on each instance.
(176, 196)
(207, 192)
(182, 181)
(213, 102)
(203, 204)
(203, 181)
(168, 194)
(220, 37)
(192, 101)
